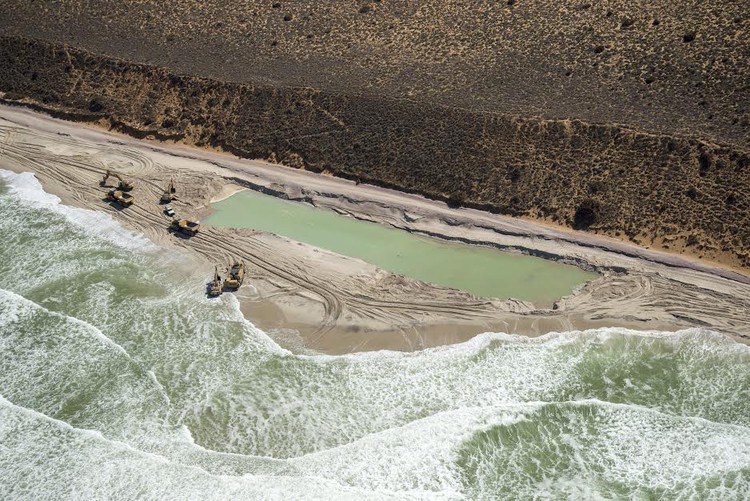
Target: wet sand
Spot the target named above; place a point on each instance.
(312, 299)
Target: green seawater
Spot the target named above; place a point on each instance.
(482, 271)
(119, 379)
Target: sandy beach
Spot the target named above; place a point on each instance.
(312, 299)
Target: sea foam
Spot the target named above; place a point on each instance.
(27, 188)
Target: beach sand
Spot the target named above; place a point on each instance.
(311, 299)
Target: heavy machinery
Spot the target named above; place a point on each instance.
(185, 226)
(235, 276)
(120, 197)
(215, 287)
(122, 184)
(169, 192)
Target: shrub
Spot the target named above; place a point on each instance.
(587, 214)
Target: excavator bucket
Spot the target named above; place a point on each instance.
(103, 182)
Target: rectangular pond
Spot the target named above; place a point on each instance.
(482, 271)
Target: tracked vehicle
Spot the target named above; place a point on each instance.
(215, 287)
(235, 276)
(120, 197)
(185, 226)
(122, 184)
(169, 192)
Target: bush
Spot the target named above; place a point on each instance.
(588, 213)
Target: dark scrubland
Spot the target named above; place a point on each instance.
(630, 119)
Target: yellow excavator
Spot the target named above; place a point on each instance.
(215, 287)
(122, 185)
(120, 197)
(235, 276)
(185, 226)
(169, 192)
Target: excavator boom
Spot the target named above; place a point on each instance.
(215, 287)
(103, 182)
(168, 194)
(123, 185)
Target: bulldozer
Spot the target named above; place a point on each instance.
(215, 286)
(235, 276)
(120, 197)
(122, 185)
(185, 226)
(169, 192)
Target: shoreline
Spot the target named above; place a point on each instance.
(348, 305)
(227, 192)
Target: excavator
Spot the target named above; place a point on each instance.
(169, 192)
(120, 197)
(215, 287)
(235, 276)
(185, 226)
(122, 185)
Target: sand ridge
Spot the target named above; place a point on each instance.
(313, 299)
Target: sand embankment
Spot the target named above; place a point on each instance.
(310, 298)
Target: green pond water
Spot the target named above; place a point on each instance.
(482, 271)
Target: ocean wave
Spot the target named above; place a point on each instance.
(430, 454)
(84, 464)
(62, 366)
(14, 307)
(554, 448)
(600, 449)
(27, 189)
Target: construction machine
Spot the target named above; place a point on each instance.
(122, 184)
(169, 192)
(185, 226)
(235, 276)
(215, 287)
(120, 197)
